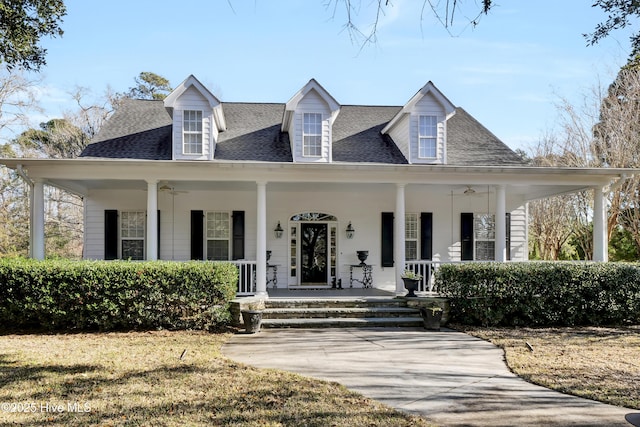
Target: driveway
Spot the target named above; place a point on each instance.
(448, 377)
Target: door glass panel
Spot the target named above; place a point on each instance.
(314, 253)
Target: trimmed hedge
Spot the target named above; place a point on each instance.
(541, 294)
(115, 295)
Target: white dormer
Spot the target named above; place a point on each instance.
(308, 118)
(420, 127)
(197, 120)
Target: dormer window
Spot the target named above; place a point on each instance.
(428, 137)
(192, 132)
(312, 135)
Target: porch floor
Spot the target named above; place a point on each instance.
(328, 293)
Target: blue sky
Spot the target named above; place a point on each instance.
(508, 72)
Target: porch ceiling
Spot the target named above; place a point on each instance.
(83, 175)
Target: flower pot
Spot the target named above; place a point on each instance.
(410, 285)
(362, 256)
(431, 318)
(252, 320)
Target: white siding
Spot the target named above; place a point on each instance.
(312, 103)
(191, 99)
(361, 205)
(401, 135)
(428, 105)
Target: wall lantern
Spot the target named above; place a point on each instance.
(350, 231)
(278, 231)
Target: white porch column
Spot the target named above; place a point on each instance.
(37, 216)
(261, 241)
(600, 244)
(152, 221)
(501, 224)
(398, 239)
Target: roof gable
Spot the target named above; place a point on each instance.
(427, 90)
(214, 103)
(292, 104)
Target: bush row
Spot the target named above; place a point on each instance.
(114, 295)
(542, 294)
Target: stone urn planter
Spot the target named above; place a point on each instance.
(252, 320)
(432, 317)
(411, 285)
(411, 280)
(362, 256)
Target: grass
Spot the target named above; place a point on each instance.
(596, 363)
(165, 378)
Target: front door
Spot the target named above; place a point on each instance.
(314, 253)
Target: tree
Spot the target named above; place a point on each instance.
(22, 24)
(57, 138)
(149, 86)
(444, 11)
(619, 13)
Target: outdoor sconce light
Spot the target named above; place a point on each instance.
(278, 231)
(350, 231)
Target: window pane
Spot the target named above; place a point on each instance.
(484, 227)
(411, 249)
(133, 249)
(218, 250)
(192, 132)
(485, 250)
(312, 135)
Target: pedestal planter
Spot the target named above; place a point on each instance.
(252, 320)
(431, 316)
(410, 285)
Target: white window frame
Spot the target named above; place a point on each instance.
(128, 231)
(484, 235)
(212, 234)
(411, 236)
(312, 135)
(427, 136)
(192, 129)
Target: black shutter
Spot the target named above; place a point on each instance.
(426, 235)
(110, 234)
(387, 239)
(237, 251)
(466, 236)
(158, 219)
(197, 235)
(508, 232)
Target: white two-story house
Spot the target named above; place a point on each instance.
(291, 192)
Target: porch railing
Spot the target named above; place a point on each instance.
(426, 269)
(246, 277)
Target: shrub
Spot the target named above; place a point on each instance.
(113, 295)
(541, 294)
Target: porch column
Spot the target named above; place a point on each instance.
(261, 241)
(501, 224)
(152, 221)
(37, 216)
(600, 244)
(398, 240)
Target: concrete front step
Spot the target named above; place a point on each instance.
(334, 302)
(344, 322)
(339, 312)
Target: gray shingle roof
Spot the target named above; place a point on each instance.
(141, 129)
(253, 133)
(471, 144)
(357, 137)
(138, 129)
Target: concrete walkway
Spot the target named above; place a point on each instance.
(448, 377)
